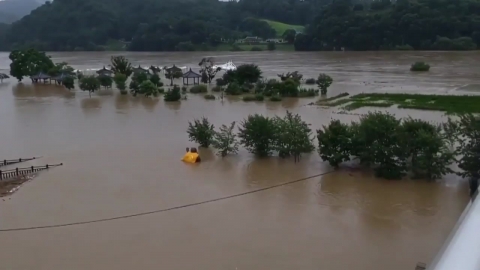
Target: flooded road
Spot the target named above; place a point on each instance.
(122, 155)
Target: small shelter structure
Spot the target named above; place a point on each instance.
(173, 69)
(139, 69)
(40, 77)
(105, 72)
(3, 76)
(191, 75)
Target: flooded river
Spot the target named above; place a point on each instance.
(122, 155)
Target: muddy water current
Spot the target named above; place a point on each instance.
(122, 155)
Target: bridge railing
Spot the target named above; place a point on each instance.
(17, 172)
(6, 162)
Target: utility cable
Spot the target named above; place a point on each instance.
(163, 210)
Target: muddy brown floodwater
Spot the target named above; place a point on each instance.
(122, 155)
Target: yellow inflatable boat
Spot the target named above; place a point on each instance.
(191, 156)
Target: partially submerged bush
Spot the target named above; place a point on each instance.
(420, 66)
(257, 134)
(293, 137)
(173, 94)
(201, 132)
(256, 49)
(233, 89)
(225, 140)
(209, 97)
(308, 92)
(324, 81)
(387, 145)
(201, 88)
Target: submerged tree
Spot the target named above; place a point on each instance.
(90, 84)
(173, 94)
(155, 79)
(324, 81)
(29, 62)
(469, 146)
(207, 70)
(121, 82)
(377, 144)
(201, 131)
(61, 69)
(257, 134)
(426, 147)
(68, 82)
(105, 81)
(225, 140)
(172, 74)
(334, 143)
(148, 89)
(293, 136)
(121, 65)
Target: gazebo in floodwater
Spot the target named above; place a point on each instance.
(173, 69)
(40, 77)
(191, 75)
(3, 76)
(140, 69)
(105, 72)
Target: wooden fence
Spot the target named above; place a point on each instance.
(14, 173)
(6, 162)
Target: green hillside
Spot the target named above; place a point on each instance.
(281, 27)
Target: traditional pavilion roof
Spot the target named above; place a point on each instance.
(104, 71)
(191, 74)
(40, 76)
(140, 69)
(4, 76)
(174, 68)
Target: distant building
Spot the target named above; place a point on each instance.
(250, 40)
(276, 40)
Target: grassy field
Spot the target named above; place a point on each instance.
(450, 104)
(281, 27)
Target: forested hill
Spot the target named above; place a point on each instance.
(167, 25)
(402, 24)
(151, 24)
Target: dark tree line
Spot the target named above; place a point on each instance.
(401, 24)
(148, 25)
(169, 25)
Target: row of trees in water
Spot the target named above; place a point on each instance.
(246, 78)
(392, 147)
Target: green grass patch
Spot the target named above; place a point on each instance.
(446, 103)
(326, 102)
(281, 27)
